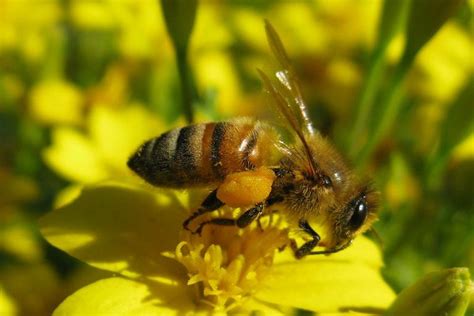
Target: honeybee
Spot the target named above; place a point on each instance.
(309, 182)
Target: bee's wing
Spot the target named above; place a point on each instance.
(286, 93)
(288, 85)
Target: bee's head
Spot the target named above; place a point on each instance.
(353, 218)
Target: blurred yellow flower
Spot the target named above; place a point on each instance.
(139, 24)
(12, 90)
(113, 89)
(465, 149)
(216, 70)
(56, 102)
(101, 152)
(35, 288)
(91, 15)
(137, 234)
(24, 32)
(212, 64)
(112, 135)
(28, 284)
(17, 238)
(444, 65)
(401, 188)
(7, 305)
(349, 24)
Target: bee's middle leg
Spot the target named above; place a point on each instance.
(242, 221)
(306, 248)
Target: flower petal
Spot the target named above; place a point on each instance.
(347, 281)
(119, 228)
(117, 133)
(119, 296)
(73, 156)
(362, 250)
(7, 305)
(262, 308)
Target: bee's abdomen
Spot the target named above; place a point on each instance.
(200, 154)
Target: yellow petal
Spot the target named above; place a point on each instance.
(120, 297)
(74, 157)
(120, 229)
(253, 306)
(363, 250)
(118, 133)
(18, 239)
(7, 305)
(67, 195)
(349, 280)
(36, 288)
(56, 102)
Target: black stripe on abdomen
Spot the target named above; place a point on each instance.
(217, 138)
(187, 153)
(162, 155)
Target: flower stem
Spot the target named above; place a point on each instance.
(179, 19)
(187, 87)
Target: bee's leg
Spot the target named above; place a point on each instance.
(250, 215)
(211, 203)
(243, 221)
(306, 248)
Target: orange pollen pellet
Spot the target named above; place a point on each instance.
(246, 187)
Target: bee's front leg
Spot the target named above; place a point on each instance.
(306, 248)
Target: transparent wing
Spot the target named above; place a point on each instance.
(286, 94)
(288, 81)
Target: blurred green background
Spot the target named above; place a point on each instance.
(82, 83)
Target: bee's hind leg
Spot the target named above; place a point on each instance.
(210, 204)
(242, 221)
(306, 248)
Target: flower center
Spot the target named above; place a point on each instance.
(228, 263)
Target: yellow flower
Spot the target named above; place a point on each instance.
(7, 306)
(24, 32)
(161, 269)
(17, 239)
(112, 135)
(56, 102)
(139, 24)
(35, 288)
(28, 284)
(445, 65)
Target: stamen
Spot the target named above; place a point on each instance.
(228, 263)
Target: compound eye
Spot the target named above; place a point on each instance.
(359, 215)
(326, 181)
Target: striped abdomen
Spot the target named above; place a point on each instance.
(203, 154)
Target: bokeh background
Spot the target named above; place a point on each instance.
(83, 83)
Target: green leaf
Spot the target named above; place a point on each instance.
(425, 19)
(179, 18)
(394, 14)
(393, 19)
(457, 125)
(458, 122)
